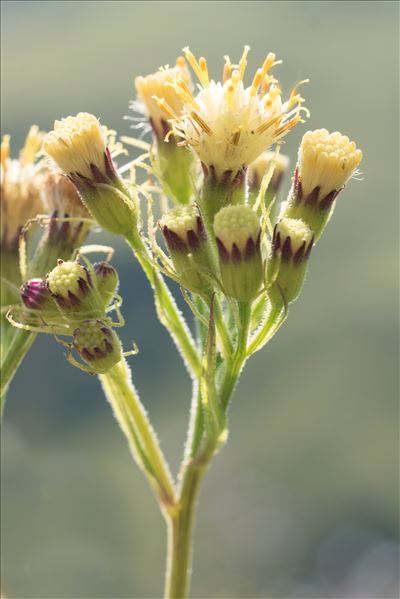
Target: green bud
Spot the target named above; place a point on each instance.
(185, 237)
(97, 344)
(107, 281)
(75, 292)
(238, 232)
(291, 246)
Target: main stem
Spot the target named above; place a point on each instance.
(180, 532)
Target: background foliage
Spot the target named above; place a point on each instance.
(303, 501)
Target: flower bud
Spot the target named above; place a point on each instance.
(173, 163)
(74, 291)
(78, 146)
(237, 231)
(326, 162)
(185, 237)
(107, 281)
(97, 344)
(291, 246)
(258, 169)
(36, 296)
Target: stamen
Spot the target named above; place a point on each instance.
(200, 122)
(193, 63)
(203, 66)
(256, 82)
(243, 62)
(227, 69)
(165, 106)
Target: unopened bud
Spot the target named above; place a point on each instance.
(291, 246)
(237, 231)
(97, 344)
(36, 296)
(73, 289)
(325, 163)
(184, 234)
(107, 281)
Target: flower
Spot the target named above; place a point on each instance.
(20, 181)
(155, 89)
(238, 232)
(184, 234)
(78, 146)
(287, 265)
(260, 167)
(326, 161)
(227, 124)
(97, 344)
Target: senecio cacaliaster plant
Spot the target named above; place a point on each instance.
(240, 261)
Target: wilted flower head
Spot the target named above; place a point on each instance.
(78, 145)
(157, 85)
(227, 124)
(20, 185)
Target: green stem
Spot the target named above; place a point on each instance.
(20, 344)
(234, 368)
(167, 309)
(132, 417)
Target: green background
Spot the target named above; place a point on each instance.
(303, 501)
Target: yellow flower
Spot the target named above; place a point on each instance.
(20, 187)
(227, 124)
(158, 85)
(78, 146)
(327, 161)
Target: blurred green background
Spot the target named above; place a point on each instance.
(303, 502)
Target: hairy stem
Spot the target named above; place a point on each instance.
(133, 420)
(167, 309)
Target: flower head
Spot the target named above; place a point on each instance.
(237, 231)
(326, 161)
(157, 85)
(97, 344)
(259, 168)
(186, 239)
(287, 265)
(20, 187)
(78, 146)
(227, 124)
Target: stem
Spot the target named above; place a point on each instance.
(132, 418)
(273, 321)
(234, 368)
(20, 344)
(166, 307)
